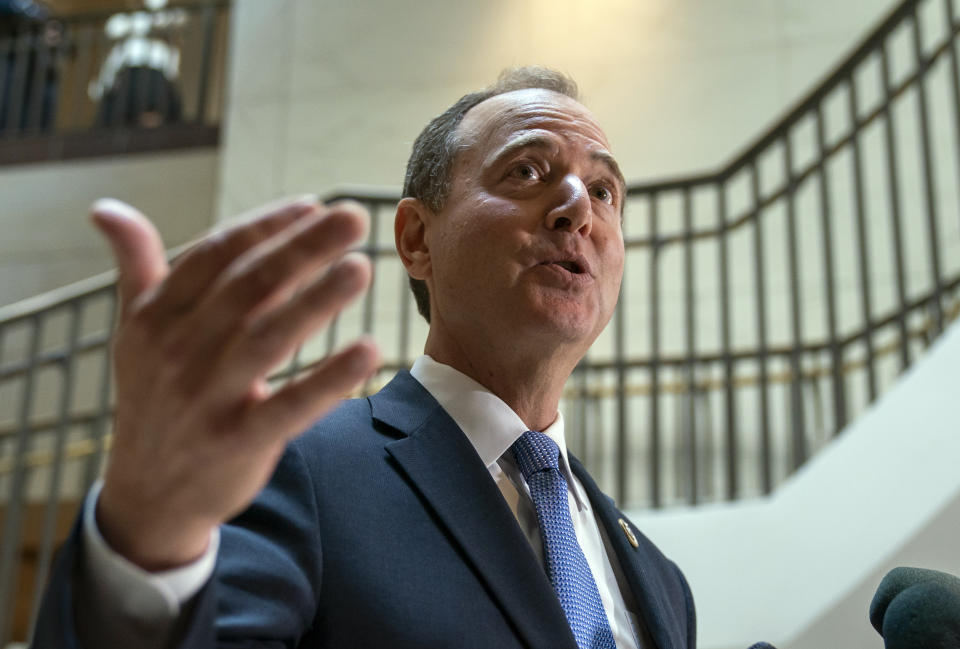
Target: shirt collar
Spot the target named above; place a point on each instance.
(489, 424)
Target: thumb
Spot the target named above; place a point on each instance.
(137, 247)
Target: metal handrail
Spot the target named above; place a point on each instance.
(84, 448)
(918, 333)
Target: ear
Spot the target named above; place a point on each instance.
(409, 231)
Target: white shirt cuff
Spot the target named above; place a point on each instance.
(142, 594)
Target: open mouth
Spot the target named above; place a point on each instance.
(571, 266)
(568, 265)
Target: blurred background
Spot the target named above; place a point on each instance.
(774, 400)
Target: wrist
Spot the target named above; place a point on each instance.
(140, 534)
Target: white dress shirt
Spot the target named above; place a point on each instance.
(489, 424)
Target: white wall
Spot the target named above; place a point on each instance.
(324, 93)
(47, 239)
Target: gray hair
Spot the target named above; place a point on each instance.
(430, 167)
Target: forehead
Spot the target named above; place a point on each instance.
(502, 117)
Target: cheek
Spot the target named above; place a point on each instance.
(611, 252)
(613, 273)
(489, 229)
(465, 256)
(618, 265)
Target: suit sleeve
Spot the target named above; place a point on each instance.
(262, 595)
(270, 566)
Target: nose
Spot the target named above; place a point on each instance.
(572, 210)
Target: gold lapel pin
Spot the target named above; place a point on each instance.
(629, 533)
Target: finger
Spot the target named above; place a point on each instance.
(195, 270)
(136, 244)
(296, 405)
(263, 276)
(259, 347)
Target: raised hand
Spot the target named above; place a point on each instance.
(197, 430)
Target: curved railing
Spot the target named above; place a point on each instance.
(763, 307)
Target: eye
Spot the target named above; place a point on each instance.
(602, 193)
(525, 171)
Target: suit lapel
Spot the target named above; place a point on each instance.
(442, 465)
(637, 564)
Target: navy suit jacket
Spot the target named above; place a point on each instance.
(382, 528)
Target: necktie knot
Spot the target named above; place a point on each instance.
(535, 452)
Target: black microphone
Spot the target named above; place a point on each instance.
(761, 645)
(915, 608)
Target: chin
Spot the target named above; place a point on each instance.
(566, 325)
(555, 317)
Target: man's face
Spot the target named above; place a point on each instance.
(529, 240)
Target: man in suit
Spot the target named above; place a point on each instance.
(443, 511)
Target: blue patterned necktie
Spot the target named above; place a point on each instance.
(538, 458)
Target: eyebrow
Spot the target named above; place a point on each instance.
(607, 158)
(525, 141)
(540, 141)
